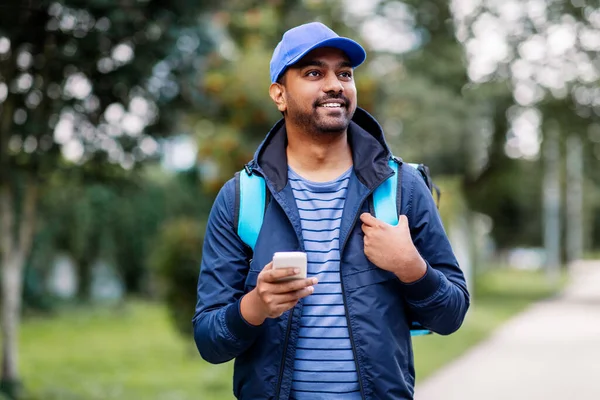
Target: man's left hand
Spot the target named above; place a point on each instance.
(391, 248)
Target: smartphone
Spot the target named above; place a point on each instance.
(294, 259)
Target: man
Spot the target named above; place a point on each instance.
(343, 332)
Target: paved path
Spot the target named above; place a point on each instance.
(549, 352)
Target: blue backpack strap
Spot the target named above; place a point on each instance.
(386, 204)
(385, 196)
(252, 199)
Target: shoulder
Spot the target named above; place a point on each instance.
(414, 189)
(412, 179)
(225, 203)
(228, 190)
(409, 173)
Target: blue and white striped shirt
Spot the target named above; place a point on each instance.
(324, 365)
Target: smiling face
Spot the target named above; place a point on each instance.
(317, 94)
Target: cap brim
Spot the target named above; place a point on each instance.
(356, 54)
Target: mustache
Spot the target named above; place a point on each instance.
(335, 97)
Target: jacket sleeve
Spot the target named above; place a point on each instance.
(440, 299)
(220, 331)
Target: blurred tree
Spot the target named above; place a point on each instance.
(175, 258)
(140, 214)
(425, 105)
(84, 85)
(548, 53)
(114, 221)
(465, 110)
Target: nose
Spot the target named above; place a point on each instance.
(332, 83)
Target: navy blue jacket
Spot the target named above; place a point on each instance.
(379, 306)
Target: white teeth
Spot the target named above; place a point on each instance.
(332, 105)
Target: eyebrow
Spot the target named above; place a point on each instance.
(321, 64)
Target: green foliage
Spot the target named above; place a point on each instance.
(114, 221)
(86, 89)
(425, 123)
(513, 200)
(76, 60)
(175, 258)
(452, 202)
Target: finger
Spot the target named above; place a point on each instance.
(292, 286)
(368, 219)
(279, 299)
(286, 307)
(268, 266)
(305, 292)
(366, 229)
(274, 275)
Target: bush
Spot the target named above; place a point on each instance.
(175, 260)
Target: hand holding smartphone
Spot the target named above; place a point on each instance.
(277, 291)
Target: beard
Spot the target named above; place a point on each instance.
(314, 121)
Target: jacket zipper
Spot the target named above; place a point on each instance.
(285, 344)
(287, 333)
(360, 384)
(362, 391)
(249, 169)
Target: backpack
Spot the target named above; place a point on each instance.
(251, 203)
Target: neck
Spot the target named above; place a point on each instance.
(319, 158)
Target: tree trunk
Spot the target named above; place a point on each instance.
(84, 273)
(14, 245)
(12, 283)
(574, 221)
(552, 202)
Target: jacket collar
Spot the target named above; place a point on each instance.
(370, 152)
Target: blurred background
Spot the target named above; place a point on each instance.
(121, 119)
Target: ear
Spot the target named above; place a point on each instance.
(277, 91)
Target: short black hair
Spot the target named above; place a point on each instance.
(281, 79)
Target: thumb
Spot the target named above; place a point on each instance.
(402, 222)
(268, 266)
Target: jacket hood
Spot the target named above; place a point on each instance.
(370, 152)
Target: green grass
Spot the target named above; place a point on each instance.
(499, 295)
(129, 353)
(132, 353)
(592, 255)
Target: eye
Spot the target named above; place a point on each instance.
(313, 73)
(346, 75)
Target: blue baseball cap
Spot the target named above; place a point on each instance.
(299, 41)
